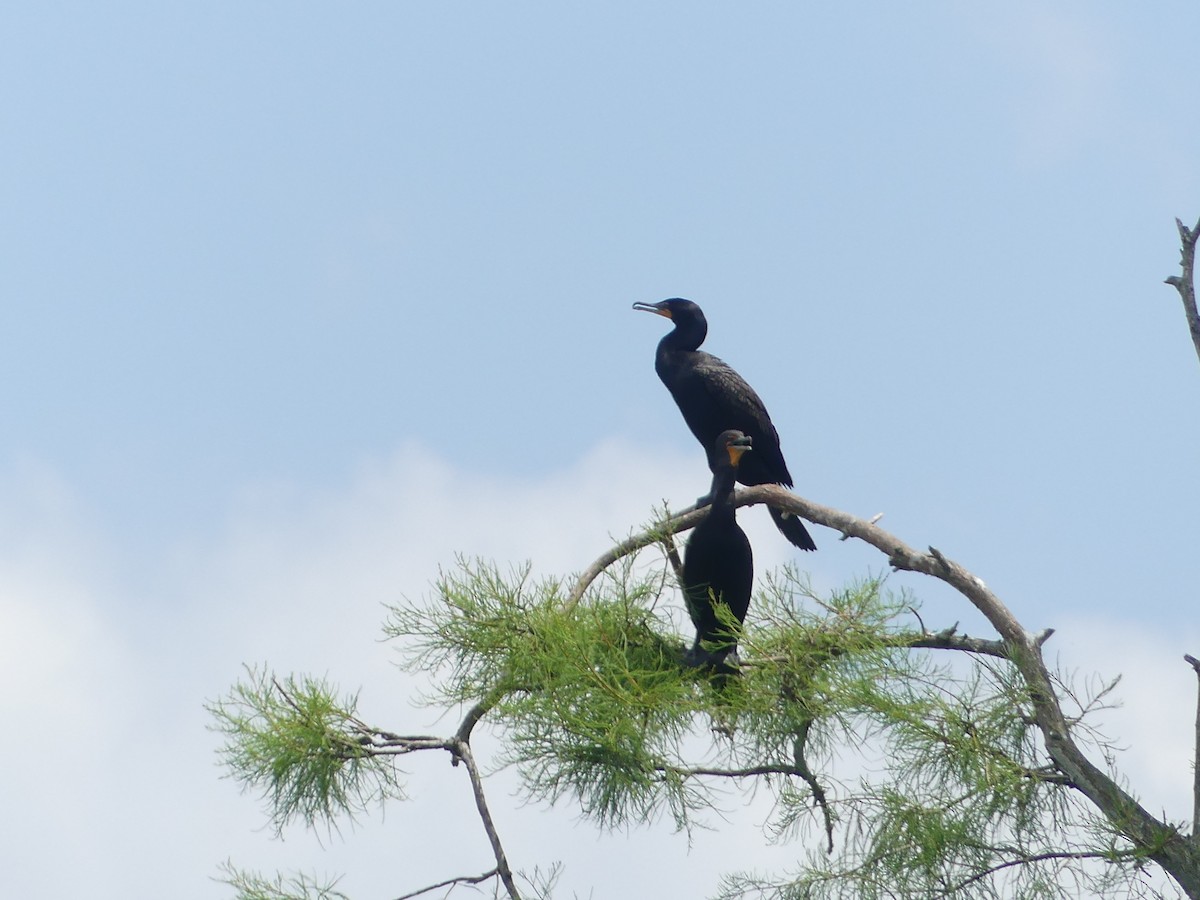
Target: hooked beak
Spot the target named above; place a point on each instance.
(653, 308)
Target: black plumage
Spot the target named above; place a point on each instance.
(718, 565)
(714, 398)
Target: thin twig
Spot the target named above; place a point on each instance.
(450, 882)
(1024, 861)
(748, 772)
(818, 792)
(873, 520)
(948, 640)
(668, 542)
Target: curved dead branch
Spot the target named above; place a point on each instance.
(1160, 841)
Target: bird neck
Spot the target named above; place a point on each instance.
(688, 334)
(722, 490)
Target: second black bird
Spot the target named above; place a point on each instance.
(718, 565)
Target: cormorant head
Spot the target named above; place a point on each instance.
(690, 325)
(675, 308)
(732, 444)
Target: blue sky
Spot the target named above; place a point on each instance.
(298, 303)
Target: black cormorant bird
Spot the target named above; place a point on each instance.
(713, 398)
(718, 564)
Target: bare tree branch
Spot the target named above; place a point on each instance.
(947, 639)
(450, 882)
(384, 743)
(1185, 283)
(403, 746)
(818, 792)
(715, 772)
(1195, 664)
(1023, 860)
(506, 876)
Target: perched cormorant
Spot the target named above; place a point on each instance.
(718, 564)
(713, 398)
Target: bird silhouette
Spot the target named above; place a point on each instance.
(718, 564)
(714, 398)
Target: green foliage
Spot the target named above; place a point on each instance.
(592, 698)
(252, 886)
(919, 770)
(301, 747)
(950, 780)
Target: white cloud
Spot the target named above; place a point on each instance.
(118, 763)
(69, 699)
